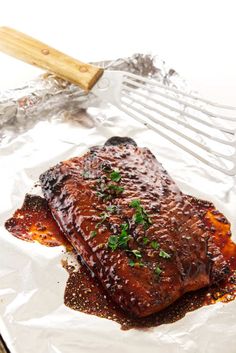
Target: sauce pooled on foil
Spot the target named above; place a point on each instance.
(34, 222)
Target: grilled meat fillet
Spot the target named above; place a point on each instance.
(142, 237)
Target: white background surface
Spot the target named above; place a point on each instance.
(197, 38)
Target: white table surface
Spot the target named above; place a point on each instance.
(197, 38)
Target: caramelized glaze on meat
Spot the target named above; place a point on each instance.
(174, 252)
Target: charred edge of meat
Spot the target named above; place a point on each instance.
(117, 140)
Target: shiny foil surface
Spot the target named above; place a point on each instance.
(47, 121)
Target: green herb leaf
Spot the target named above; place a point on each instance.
(124, 237)
(134, 264)
(101, 194)
(138, 217)
(116, 188)
(124, 226)
(113, 242)
(93, 234)
(123, 240)
(141, 216)
(131, 263)
(164, 254)
(136, 253)
(120, 241)
(145, 241)
(112, 208)
(155, 245)
(158, 271)
(115, 176)
(135, 203)
(103, 217)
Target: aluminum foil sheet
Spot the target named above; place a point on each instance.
(49, 120)
(48, 96)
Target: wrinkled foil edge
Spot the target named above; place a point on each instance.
(49, 97)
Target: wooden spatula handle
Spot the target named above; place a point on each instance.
(32, 51)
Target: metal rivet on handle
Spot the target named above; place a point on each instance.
(45, 51)
(83, 69)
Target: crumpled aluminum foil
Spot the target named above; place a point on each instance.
(48, 96)
(49, 120)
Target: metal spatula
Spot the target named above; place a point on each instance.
(196, 125)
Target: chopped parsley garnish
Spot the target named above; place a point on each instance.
(140, 216)
(158, 271)
(101, 189)
(136, 253)
(101, 194)
(112, 208)
(135, 203)
(103, 217)
(93, 234)
(131, 263)
(119, 241)
(145, 241)
(115, 176)
(134, 264)
(113, 242)
(108, 190)
(155, 245)
(124, 226)
(164, 254)
(124, 237)
(116, 188)
(138, 257)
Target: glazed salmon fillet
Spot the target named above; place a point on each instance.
(139, 234)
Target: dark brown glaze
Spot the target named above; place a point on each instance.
(84, 291)
(219, 227)
(34, 222)
(73, 190)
